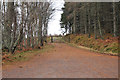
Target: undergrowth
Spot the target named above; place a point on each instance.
(108, 45)
(25, 55)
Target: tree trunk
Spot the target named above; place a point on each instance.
(85, 20)
(114, 20)
(0, 30)
(74, 28)
(9, 28)
(19, 40)
(89, 21)
(95, 26)
(28, 36)
(40, 31)
(99, 23)
(32, 39)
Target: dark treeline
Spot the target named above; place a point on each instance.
(91, 18)
(24, 24)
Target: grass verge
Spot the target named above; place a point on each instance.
(107, 46)
(27, 55)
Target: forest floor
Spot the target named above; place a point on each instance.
(64, 61)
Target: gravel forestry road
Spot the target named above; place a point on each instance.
(65, 61)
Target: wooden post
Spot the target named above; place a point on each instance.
(51, 39)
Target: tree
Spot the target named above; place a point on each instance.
(91, 18)
(114, 19)
(25, 24)
(1, 29)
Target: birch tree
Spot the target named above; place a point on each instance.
(25, 24)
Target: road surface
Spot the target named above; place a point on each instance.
(65, 61)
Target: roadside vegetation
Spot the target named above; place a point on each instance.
(24, 27)
(25, 55)
(93, 25)
(108, 46)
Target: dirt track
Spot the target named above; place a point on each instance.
(65, 62)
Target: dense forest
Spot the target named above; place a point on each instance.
(91, 18)
(93, 25)
(24, 24)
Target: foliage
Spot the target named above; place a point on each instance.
(91, 18)
(25, 55)
(109, 45)
(24, 25)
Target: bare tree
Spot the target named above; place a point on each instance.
(26, 23)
